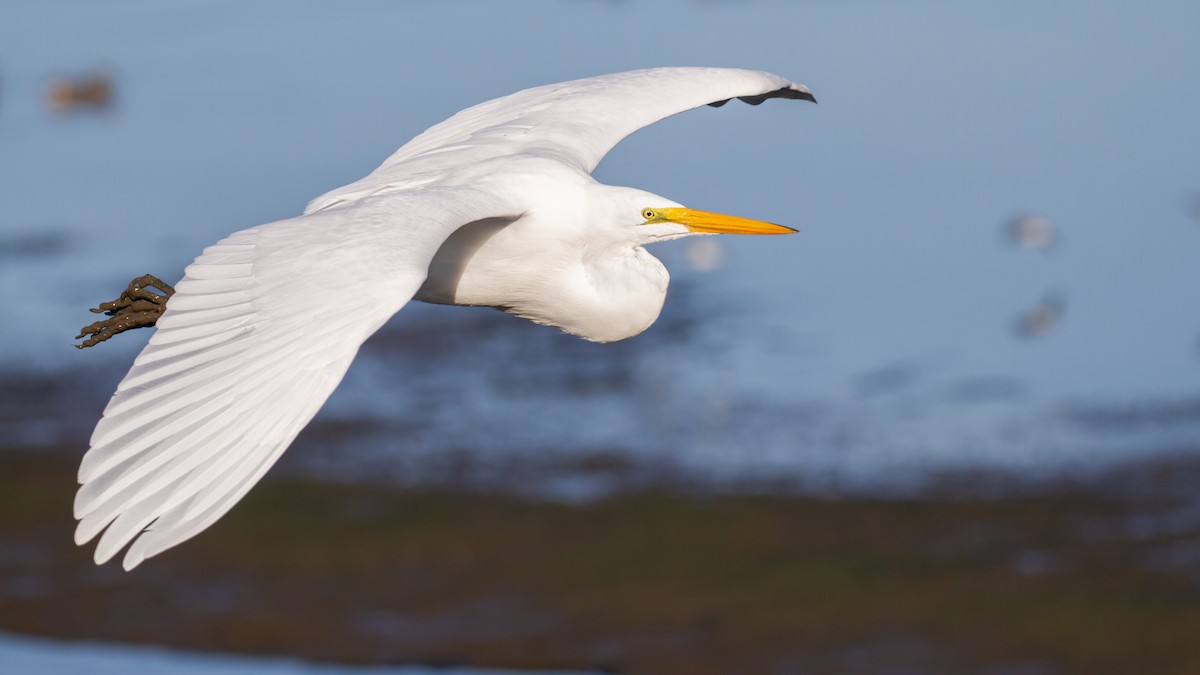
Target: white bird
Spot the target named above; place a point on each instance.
(493, 207)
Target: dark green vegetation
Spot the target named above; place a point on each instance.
(647, 583)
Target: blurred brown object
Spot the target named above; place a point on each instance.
(1032, 232)
(1042, 318)
(92, 91)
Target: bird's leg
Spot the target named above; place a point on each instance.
(138, 307)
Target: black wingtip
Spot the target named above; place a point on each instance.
(786, 92)
(796, 93)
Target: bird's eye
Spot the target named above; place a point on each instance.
(648, 214)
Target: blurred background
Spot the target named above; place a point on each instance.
(952, 426)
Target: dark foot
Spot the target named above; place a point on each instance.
(138, 307)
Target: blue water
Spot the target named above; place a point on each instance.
(25, 656)
(882, 343)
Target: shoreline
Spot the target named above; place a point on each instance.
(1064, 579)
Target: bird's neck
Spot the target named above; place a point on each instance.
(624, 294)
(558, 265)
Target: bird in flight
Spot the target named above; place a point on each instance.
(495, 207)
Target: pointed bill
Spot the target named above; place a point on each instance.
(718, 223)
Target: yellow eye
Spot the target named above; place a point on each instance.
(648, 214)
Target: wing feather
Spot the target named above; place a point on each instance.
(576, 122)
(258, 334)
(220, 271)
(158, 539)
(159, 352)
(146, 373)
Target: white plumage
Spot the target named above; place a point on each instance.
(494, 206)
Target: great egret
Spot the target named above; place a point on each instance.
(495, 206)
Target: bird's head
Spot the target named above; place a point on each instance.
(672, 222)
(657, 219)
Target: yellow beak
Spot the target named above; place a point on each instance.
(717, 223)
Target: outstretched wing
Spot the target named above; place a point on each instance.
(258, 334)
(576, 122)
